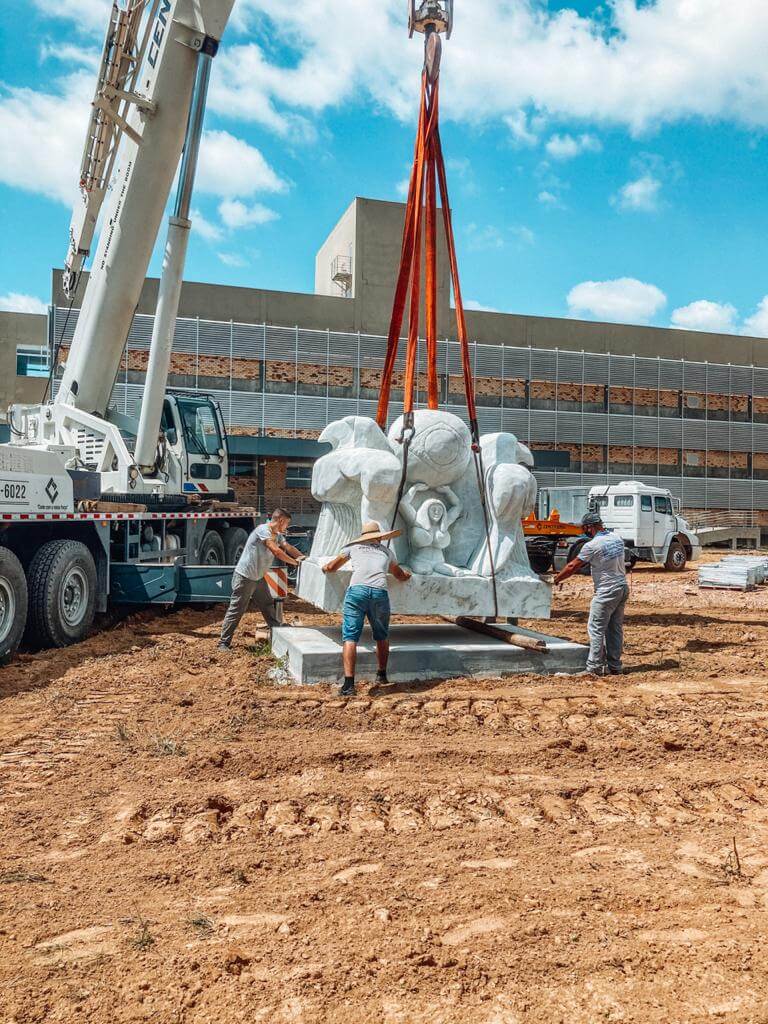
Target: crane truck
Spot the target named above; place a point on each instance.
(96, 507)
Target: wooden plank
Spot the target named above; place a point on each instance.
(514, 639)
(109, 506)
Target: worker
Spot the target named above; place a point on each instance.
(604, 553)
(265, 543)
(367, 597)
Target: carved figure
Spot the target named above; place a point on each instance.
(429, 529)
(356, 482)
(440, 450)
(511, 490)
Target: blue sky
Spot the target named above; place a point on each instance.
(607, 161)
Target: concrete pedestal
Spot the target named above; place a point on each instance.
(526, 597)
(421, 652)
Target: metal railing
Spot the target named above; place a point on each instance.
(720, 520)
(295, 504)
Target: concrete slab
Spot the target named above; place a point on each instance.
(524, 597)
(421, 652)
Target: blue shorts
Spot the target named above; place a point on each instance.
(361, 603)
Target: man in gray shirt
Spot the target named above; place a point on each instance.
(605, 554)
(265, 543)
(367, 597)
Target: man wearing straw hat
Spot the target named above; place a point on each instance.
(367, 597)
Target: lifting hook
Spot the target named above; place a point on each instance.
(431, 17)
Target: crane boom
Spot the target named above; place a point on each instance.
(152, 141)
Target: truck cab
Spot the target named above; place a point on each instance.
(648, 520)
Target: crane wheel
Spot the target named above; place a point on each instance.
(234, 543)
(211, 549)
(13, 604)
(62, 594)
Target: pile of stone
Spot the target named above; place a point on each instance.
(736, 572)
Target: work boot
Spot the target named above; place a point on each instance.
(381, 677)
(348, 689)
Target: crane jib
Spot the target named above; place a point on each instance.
(157, 36)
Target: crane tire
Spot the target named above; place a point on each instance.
(13, 604)
(676, 557)
(211, 549)
(234, 542)
(62, 584)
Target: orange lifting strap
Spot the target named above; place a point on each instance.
(427, 175)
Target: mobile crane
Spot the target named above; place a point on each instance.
(94, 506)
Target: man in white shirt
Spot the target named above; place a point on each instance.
(605, 554)
(367, 597)
(265, 543)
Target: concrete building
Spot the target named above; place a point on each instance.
(597, 402)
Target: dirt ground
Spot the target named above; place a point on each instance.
(184, 840)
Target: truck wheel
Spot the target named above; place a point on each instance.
(212, 549)
(234, 542)
(13, 604)
(676, 557)
(62, 594)
(540, 557)
(574, 553)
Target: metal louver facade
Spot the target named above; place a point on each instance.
(692, 425)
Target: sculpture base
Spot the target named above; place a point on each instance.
(522, 598)
(423, 652)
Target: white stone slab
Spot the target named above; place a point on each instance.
(522, 598)
(421, 652)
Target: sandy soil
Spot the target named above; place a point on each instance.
(185, 841)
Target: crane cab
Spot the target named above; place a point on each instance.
(196, 457)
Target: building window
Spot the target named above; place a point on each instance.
(299, 475)
(32, 361)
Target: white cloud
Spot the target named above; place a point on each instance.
(641, 195)
(704, 315)
(523, 235)
(48, 132)
(230, 167)
(235, 214)
(402, 187)
(472, 305)
(634, 64)
(15, 302)
(89, 16)
(69, 53)
(756, 326)
(231, 259)
(521, 131)
(624, 300)
(481, 238)
(565, 147)
(631, 63)
(205, 228)
(547, 198)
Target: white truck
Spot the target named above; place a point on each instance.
(94, 506)
(647, 519)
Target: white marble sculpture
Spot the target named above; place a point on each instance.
(429, 515)
(444, 538)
